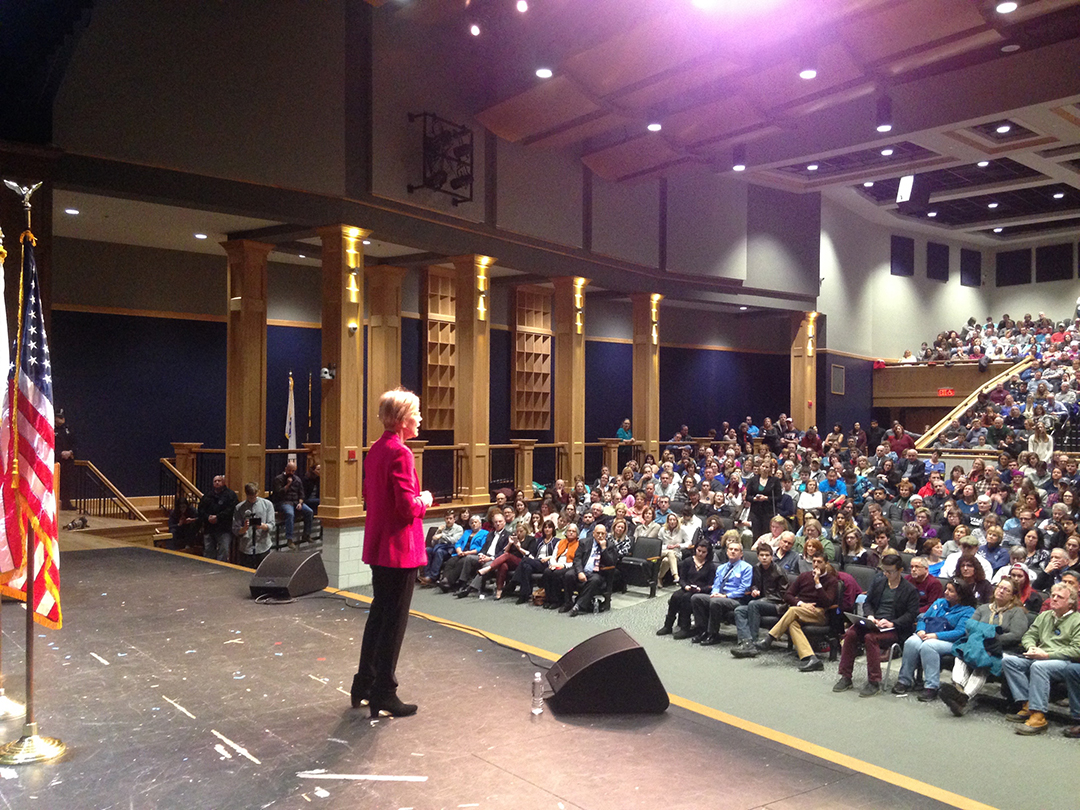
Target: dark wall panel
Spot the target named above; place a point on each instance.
(412, 348)
(296, 349)
(609, 387)
(902, 256)
(1013, 267)
(703, 388)
(855, 403)
(131, 385)
(499, 403)
(1054, 263)
(970, 268)
(937, 261)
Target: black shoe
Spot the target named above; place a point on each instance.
(664, 631)
(745, 651)
(766, 643)
(710, 639)
(521, 600)
(928, 695)
(565, 608)
(811, 664)
(871, 689)
(444, 586)
(683, 632)
(697, 637)
(901, 688)
(359, 697)
(550, 606)
(575, 611)
(464, 592)
(842, 685)
(391, 707)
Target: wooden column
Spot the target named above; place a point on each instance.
(647, 371)
(383, 340)
(245, 388)
(568, 322)
(473, 373)
(342, 397)
(186, 458)
(804, 373)
(523, 465)
(611, 455)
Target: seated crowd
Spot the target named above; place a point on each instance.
(980, 564)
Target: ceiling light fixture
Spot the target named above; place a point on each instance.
(1001, 130)
(522, 6)
(868, 184)
(931, 213)
(813, 167)
(998, 230)
(884, 119)
(742, 309)
(982, 164)
(474, 29)
(808, 74)
(367, 241)
(73, 211)
(200, 236)
(1007, 8)
(887, 152)
(1011, 48)
(738, 158)
(302, 256)
(1060, 195)
(991, 205)
(544, 73)
(654, 126)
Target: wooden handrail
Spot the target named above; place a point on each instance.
(117, 494)
(931, 435)
(190, 487)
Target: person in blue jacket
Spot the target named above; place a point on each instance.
(935, 633)
(470, 543)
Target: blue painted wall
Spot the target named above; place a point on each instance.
(858, 397)
(300, 350)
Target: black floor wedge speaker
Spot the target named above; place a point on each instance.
(607, 674)
(288, 574)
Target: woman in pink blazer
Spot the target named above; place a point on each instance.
(394, 548)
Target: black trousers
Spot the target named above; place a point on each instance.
(384, 632)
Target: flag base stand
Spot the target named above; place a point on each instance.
(9, 707)
(31, 747)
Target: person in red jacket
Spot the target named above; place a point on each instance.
(394, 548)
(899, 441)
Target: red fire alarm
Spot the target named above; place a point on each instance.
(351, 456)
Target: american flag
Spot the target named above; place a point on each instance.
(29, 514)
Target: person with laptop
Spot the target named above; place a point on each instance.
(892, 605)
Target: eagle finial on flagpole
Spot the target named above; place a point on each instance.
(26, 192)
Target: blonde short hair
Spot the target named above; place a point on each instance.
(395, 407)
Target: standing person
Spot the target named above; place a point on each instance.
(394, 548)
(65, 455)
(216, 510)
(253, 521)
(763, 494)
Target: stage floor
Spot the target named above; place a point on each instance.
(172, 688)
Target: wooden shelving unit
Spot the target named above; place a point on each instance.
(531, 380)
(440, 363)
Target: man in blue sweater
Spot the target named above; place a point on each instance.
(730, 589)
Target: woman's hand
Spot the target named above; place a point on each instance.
(425, 498)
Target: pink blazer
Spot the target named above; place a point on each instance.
(393, 532)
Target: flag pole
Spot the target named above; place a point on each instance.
(8, 707)
(31, 746)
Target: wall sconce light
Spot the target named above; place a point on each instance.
(352, 254)
(579, 304)
(354, 327)
(353, 288)
(482, 264)
(811, 331)
(654, 317)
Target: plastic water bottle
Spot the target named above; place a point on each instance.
(537, 694)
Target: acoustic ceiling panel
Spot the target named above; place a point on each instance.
(909, 25)
(632, 157)
(544, 107)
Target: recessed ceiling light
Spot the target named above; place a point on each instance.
(200, 236)
(931, 213)
(742, 309)
(813, 167)
(884, 128)
(1013, 48)
(73, 211)
(808, 73)
(868, 184)
(522, 6)
(302, 256)
(1007, 8)
(1059, 195)
(998, 230)
(367, 241)
(886, 152)
(474, 29)
(1001, 130)
(982, 164)
(739, 167)
(544, 73)
(654, 126)
(991, 205)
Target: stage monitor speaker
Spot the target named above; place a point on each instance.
(288, 574)
(607, 674)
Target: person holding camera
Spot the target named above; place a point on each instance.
(253, 521)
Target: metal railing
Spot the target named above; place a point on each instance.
(501, 466)
(94, 494)
(209, 462)
(172, 484)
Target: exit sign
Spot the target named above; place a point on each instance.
(946, 392)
